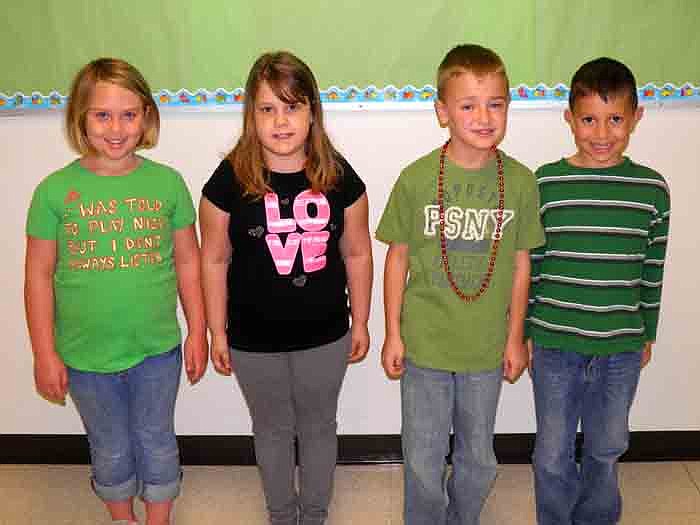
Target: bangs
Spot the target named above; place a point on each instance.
(285, 85)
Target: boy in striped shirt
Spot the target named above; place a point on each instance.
(594, 300)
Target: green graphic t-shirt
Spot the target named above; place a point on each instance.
(115, 284)
(439, 330)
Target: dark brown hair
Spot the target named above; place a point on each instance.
(604, 77)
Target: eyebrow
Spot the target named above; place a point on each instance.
(98, 108)
(270, 101)
(475, 97)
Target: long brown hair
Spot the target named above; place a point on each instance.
(293, 82)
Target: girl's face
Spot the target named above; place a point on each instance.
(282, 129)
(114, 123)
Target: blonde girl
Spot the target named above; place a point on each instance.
(110, 243)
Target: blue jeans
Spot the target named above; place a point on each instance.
(597, 391)
(433, 402)
(128, 417)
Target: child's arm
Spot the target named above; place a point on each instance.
(536, 258)
(356, 249)
(216, 253)
(395, 272)
(189, 285)
(653, 271)
(50, 373)
(515, 357)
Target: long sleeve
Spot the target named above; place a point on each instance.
(654, 259)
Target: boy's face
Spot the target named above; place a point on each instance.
(601, 129)
(475, 109)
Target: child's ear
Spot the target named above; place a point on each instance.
(568, 116)
(441, 113)
(638, 114)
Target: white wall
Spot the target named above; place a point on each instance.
(377, 144)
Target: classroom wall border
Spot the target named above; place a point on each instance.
(352, 97)
(352, 449)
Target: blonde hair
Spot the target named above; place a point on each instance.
(292, 82)
(469, 58)
(113, 71)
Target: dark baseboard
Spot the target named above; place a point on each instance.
(352, 449)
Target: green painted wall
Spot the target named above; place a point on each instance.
(212, 44)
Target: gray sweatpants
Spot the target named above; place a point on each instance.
(294, 394)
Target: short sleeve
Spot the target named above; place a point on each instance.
(393, 223)
(219, 189)
(530, 231)
(42, 219)
(184, 209)
(352, 186)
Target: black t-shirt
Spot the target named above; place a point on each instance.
(286, 280)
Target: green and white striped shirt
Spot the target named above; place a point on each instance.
(596, 283)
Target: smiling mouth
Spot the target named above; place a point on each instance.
(283, 136)
(483, 132)
(601, 148)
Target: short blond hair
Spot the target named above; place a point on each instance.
(114, 71)
(469, 58)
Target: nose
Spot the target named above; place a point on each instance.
(281, 119)
(601, 130)
(115, 124)
(482, 114)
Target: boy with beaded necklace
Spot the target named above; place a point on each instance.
(596, 290)
(460, 221)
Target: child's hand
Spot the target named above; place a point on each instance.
(646, 354)
(195, 356)
(359, 341)
(515, 360)
(220, 357)
(530, 349)
(393, 352)
(50, 376)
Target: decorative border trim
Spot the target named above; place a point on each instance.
(371, 97)
(352, 449)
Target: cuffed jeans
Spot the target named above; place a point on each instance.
(597, 391)
(129, 421)
(433, 402)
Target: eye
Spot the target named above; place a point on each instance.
(497, 104)
(467, 107)
(102, 115)
(617, 119)
(129, 115)
(265, 109)
(587, 120)
(295, 106)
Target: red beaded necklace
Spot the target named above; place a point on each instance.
(468, 298)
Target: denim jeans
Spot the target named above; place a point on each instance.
(597, 391)
(128, 417)
(432, 403)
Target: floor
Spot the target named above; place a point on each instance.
(654, 493)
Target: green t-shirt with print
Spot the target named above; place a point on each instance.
(439, 330)
(114, 283)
